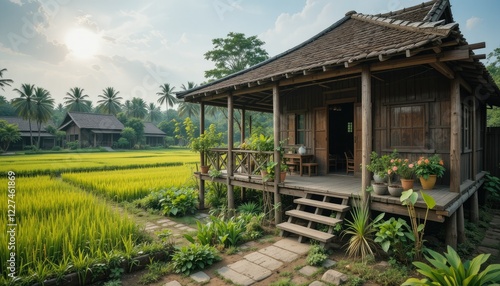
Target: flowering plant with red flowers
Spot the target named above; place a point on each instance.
(433, 165)
(402, 167)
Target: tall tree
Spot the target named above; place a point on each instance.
(127, 106)
(154, 113)
(75, 100)
(139, 108)
(234, 53)
(4, 81)
(167, 95)
(110, 102)
(44, 105)
(187, 108)
(6, 109)
(25, 105)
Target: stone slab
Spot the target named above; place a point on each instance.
(163, 221)
(484, 249)
(317, 283)
(334, 277)
(153, 227)
(293, 245)
(249, 269)
(200, 277)
(263, 260)
(308, 270)
(490, 242)
(172, 283)
(329, 263)
(235, 277)
(179, 225)
(279, 253)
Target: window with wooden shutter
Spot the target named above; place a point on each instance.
(300, 125)
(407, 126)
(291, 129)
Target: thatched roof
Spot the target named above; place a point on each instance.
(425, 29)
(151, 130)
(24, 126)
(92, 121)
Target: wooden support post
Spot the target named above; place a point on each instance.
(460, 225)
(474, 209)
(451, 230)
(277, 156)
(456, 114)
(201, 193)
(242, 139)
(366, 128)
(230, 133)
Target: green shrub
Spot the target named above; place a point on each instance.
(316, 256)
(179, 202)
(56, 148)
(73, 145)
(250, 208)
(194, 257)
(394, 236)
(449, 270)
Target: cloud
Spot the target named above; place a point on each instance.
(472, 23)
(25, 32)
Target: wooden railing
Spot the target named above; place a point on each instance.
(245, 162)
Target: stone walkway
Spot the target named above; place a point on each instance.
(491, 241)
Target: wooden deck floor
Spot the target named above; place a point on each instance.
(348, 185)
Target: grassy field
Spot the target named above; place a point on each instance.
(44, 164)
(63, 224)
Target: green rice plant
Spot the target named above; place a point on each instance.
(60, 228)
(448, 269)
(45, 164)
(129, 185)
(361, 229)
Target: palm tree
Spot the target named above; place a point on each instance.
(166, 95)
(139, 108)
(25, 104)
(43, 108)
(4, 82)
(128, 108)
(154, 113)
(9, 133)
(76, 100)
(110, 102)
(187, 108)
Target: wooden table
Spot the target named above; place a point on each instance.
(301, 158)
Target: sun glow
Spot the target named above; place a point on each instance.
(82, 43)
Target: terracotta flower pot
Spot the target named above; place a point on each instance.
(204, 169)
(429, 183)
(407, 184)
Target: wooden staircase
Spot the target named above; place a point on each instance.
(314, 209)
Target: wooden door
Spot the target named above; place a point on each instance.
(321, 139)
(358, 146)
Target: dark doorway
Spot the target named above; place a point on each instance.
(341, 133)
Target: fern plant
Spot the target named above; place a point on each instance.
(448, 269)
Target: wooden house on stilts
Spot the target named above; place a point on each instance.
(405, 80)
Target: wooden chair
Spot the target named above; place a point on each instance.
(312, 167)
(349, 161)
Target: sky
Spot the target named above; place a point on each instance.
(136, 46)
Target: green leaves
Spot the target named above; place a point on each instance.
(193, 257)
(448, 269)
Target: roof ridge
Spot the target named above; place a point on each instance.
(436, 11)
(433, 28)
(406, 9)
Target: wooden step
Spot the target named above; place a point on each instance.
(313, 217)
(305, 231)
(323, 205)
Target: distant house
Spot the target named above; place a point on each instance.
(47, 139)
(154, 136)
(91, 129)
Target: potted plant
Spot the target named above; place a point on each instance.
(205, 142)
(406, 171)
(267, 171)
(378, 166)
(428, 170)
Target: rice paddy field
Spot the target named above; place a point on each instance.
(65, 222)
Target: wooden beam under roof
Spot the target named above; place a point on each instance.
(443, 69)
